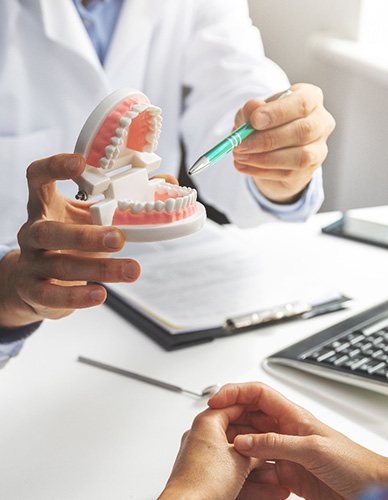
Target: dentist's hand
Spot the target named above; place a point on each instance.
(308, 457)
(60, 252)
(289, 145)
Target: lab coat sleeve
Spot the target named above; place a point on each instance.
(225, 66)
(11, 349)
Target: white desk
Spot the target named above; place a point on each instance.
(72, 432)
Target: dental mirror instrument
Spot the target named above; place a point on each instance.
(207, 391)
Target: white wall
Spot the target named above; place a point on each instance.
(356, 170)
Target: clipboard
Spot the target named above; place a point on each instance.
(231, 326)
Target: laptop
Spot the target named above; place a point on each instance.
(354, 351)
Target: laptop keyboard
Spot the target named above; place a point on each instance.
(362, 351)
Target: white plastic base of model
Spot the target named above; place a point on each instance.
(170, 231)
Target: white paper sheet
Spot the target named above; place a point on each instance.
(200, 281)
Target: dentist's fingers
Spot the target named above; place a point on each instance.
(168, 178)
(54, 301)
(42, 174)
(297, 133)
(52, 235)
(287, 159)
(64, 267)
(300, 104)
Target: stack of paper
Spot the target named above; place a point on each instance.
(197, 282)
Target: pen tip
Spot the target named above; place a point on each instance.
(199, 165)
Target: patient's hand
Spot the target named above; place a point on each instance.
(311, 459)
(208, 467)
(60, 252)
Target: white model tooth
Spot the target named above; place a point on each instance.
(178, 204)
(104, 162)
(137, 207)
(109, 150)
(150, 138)
(119, 132)
(159, 205)
(125, 132)
(116, 153)
(169, 205)
(195, 194)
(149, 206)
(139, 108)
(110, 164)
(124, 121)
(123, 205)
(154, 109)
(116, 141)
(185, 202)
(131, 115)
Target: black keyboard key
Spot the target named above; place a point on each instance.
(341, 360)
(376, 367)
(325, 355)
(357, 338)
(357, 364)
(344, 346)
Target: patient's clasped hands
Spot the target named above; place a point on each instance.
(254, 443)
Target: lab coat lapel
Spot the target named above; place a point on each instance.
(131, 42)
(63, 25)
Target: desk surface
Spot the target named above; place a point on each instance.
(69, 431)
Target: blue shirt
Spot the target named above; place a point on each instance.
(100, 18)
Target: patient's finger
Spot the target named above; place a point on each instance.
(262, 397)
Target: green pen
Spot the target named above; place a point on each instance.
(228, 144)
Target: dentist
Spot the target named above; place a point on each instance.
(203, 63)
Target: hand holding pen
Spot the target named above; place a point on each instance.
(283, 141)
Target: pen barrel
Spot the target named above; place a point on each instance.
(231, 142)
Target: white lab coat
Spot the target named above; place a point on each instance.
(51, 79)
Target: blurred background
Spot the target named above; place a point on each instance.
(341, 46)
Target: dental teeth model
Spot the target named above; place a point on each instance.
(118, 142)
